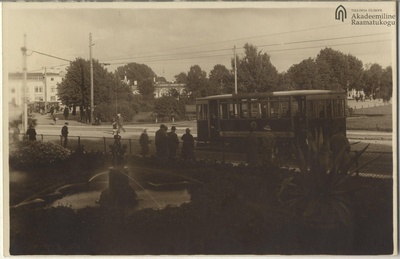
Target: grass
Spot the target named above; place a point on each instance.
(374, 118)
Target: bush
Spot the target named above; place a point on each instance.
(107, 111)
(30, 155)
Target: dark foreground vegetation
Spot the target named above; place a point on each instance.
(233, 210)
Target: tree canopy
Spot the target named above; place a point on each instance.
(255, 71)
(197, 82)
(221, 80)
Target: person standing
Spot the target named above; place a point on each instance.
(144, 142)
(31, 133)
(66, 113)
(252, 145)
(187, 145)
(268, 145)
(120, 123)
(339, 144)
(64, 133)
(173, 143)
(161, 142)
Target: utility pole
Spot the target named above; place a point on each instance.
(234, 51)
(25, 98)
(91, 78)
(45, 90)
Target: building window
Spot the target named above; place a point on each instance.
(53, 89)
(12, 90)
(52, 79)
(52, 98)
(36, 89)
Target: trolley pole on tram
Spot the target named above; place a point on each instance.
(91, 79)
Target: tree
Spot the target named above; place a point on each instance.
(167, 105)
(75, 88)
(197, 82)
(173, 92)
(304, 75)
(255, 71)
(181, 78)
(221, 80)
(333, 69)
(135, 72)
(355, 73)
(146, 88)
(386, 86)
(371, 79)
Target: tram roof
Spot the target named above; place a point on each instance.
(268, 94)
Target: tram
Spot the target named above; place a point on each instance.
(289, 114)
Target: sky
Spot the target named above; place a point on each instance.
(172, 37)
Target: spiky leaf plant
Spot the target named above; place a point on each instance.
(321, 190)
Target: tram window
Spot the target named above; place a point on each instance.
(320, 108)
(336, 108)
(329, 108)
(285, 111)
(310, 109)
(264, 110)
(232, 110)
(223, 110)
(274, 110)
(295, 108)
(202, 112)
(255, 109)
(243, 109)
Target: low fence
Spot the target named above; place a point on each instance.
(373, 163)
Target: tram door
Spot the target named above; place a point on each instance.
(214, 123)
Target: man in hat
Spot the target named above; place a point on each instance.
(187, 145)
(161, 142)
(268, 145)
(173, 143)
(64, 133)
(31, 133)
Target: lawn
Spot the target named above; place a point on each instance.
(374, 118)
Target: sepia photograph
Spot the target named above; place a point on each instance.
(199, 128)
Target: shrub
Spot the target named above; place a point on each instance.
(30, 155)
(107, 111)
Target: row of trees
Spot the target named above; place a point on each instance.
(113, 92)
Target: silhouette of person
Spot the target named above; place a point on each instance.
(173, 143)
(31, 133)
(144, 142)
(252, 145)
(64, 134)
(187, 145)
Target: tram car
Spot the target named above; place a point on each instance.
(288, 114)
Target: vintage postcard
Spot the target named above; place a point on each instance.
(191, 128)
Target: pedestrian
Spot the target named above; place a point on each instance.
(161, 142)
(187, 145)
(55, 119)
(339, 144)
(252, 145)
(144, 142)
(114, 126)
(268, 146)
(173, 143)
(120, 123)
(64, 133)
(66, 113)
(74, 111)
(52, 110)
(31, 133)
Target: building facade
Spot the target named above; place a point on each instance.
(40, 87)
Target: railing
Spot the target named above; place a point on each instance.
(378, 164)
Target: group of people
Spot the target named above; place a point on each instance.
(31, 134)
(167, 144)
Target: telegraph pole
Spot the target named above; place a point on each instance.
(25, 98)
(45, 90)
(91, 79)
(234, 51)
